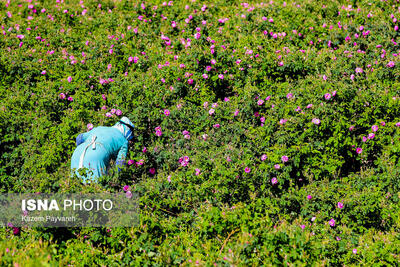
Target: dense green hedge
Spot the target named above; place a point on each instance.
(289, 113)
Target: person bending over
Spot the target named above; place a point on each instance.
(97, 147)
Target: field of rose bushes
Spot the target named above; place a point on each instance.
(267, 132)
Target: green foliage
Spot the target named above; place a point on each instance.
(224, 206)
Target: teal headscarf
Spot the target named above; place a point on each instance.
(125, 126)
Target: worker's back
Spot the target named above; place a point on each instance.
(99, 146)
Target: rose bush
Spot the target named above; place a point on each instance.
(253, 122)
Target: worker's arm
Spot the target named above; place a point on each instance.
(122, 153)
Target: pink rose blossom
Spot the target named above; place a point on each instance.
(359, 70)
(316, 121)
(282, 121)
(390, 64)
(327, 96)
(371, 135)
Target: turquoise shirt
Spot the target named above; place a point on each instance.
(109, 144)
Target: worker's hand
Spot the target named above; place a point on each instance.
(120, 163)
